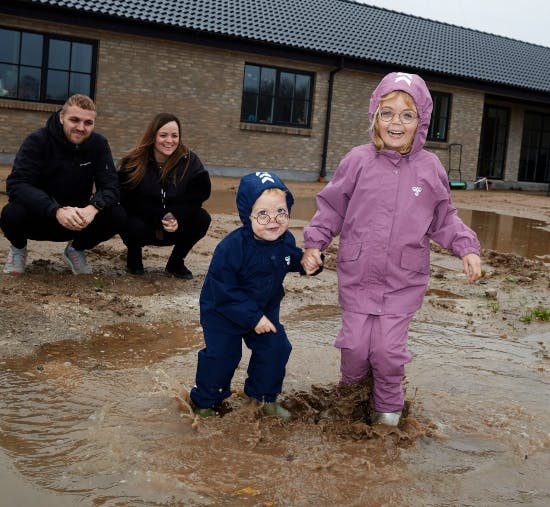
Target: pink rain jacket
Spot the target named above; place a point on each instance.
(386, 207)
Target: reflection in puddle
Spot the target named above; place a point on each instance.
(508, 234)
(504, 233)
(106, 421)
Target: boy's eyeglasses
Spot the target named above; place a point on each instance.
(387, 115)
(263, 218)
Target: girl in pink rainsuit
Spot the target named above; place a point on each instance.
(387, 200)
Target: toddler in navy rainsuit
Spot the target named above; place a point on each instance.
(386, 201)
(241, 297)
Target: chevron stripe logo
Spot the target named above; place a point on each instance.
(265, 177)
(403, 76)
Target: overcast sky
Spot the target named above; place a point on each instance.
(526, 20)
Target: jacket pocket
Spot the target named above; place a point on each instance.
(414, 259)
(348, 252)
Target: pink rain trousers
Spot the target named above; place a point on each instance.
(377, 344)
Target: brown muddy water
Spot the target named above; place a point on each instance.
(106, 422)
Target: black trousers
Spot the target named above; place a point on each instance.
(138, 233)
(19, 225)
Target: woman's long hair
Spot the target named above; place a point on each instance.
(376, 139)
(135, 162)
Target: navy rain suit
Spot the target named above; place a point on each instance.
(243, 283)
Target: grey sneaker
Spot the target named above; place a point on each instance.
(17, 258)
(76, 259)
(387, 418)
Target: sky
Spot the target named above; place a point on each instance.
(525, 20)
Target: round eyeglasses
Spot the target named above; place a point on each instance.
(406, 117)
(264, 218)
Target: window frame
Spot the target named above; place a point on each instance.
(440, 117)
(46, 68)
(275, 100)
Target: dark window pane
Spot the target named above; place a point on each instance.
(81, 57)
(57, 87)
(248, 112)
(9, 46)
(265, 109)
(286, 85)
(300, 113)
(534, 162)
(251, 79)
(302, 87)
(284, 110)
(267, 85)
(29, 83)
(440, 117)
(31, 49)
(59, 55)
(8, 80)
(79, 83)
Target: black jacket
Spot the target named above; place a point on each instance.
(150, 200)
(50, 172)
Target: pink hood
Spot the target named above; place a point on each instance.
(415, 86)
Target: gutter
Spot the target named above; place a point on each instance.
(333, 72)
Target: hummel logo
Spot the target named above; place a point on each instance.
(416, 191)
(287, 259)
(403, 76)
(265, 177)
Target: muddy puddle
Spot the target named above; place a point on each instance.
(106, 422)
(504, 233)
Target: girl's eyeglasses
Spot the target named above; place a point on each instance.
(387, 115)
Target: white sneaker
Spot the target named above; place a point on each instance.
(76, 259)
(387, 418)
(17, 258)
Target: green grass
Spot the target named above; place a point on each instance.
(494, 306)
(538, 313)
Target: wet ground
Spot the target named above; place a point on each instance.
(94, 407)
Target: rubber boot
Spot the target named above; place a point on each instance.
(205, 412)
(274, 409)
(387, 418)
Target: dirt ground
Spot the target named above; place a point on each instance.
(49, 304)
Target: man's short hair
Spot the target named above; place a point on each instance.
(81, 101)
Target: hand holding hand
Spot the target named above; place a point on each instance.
(264, 325)
(311, 260)
(472, 266)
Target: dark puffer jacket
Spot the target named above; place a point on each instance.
(50, 172)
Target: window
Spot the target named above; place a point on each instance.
(276, 96)
(493, 142)
(534, 161)
(440, 117)
(40, 67)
